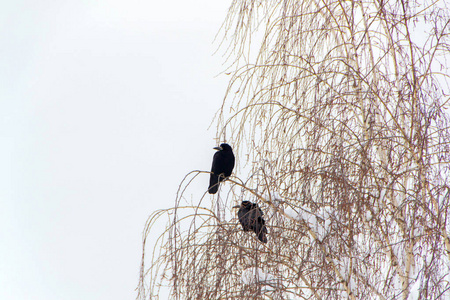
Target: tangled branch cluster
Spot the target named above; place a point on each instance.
(341, 119)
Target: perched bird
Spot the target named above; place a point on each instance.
(250, 217)
(222, 166)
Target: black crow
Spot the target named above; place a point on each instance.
(222, 166)
(250, 217)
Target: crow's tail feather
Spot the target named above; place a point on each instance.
(213, 184)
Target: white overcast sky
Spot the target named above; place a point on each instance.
(104, 107)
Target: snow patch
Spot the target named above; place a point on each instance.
(320, 223)
(254, 275)
(276, 199)
(290, 212)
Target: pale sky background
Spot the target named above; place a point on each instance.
(104, 108)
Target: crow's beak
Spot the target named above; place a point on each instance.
(218, 148)
(237, 206)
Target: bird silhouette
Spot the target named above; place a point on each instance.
(222, 166)
(250, 217)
